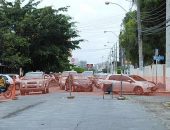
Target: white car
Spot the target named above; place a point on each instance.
(34, 82)
(129, 84)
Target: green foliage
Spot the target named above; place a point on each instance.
(128, 39)
(119, 71)
(78, 69)
(153, 13)
(36, 39)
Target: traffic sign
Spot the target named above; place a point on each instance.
(158, 58)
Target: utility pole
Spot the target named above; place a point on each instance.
(140, 47)
(138, 20)
(112, 60)
(116, 59)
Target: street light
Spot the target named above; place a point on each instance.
(110, 59)
(112, 32)
(107, 3)
(116, 48)
(138, 20)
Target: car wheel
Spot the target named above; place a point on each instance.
(43, 91)
(90, 89)
(8, 93)
(27, 93)
(47, 90)
(73, 89)
(138, 90)
(22, 92)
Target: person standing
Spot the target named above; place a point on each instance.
(2, 84)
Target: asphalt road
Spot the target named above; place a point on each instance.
(55, 111)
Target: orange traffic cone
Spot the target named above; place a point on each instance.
(14, 91)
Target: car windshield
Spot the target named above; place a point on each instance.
(137, 78)
(80, 77)
(33, 76)
(66, 73)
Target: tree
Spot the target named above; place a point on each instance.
(13, 46)
(153, 20)
(78, 69)
(45, 36)
(128, 37)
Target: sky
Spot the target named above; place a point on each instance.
(93, 17)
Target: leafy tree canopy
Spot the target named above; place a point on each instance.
(153, 20)
(36, 38)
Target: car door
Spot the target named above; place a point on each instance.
(127, 84)
(116, 82)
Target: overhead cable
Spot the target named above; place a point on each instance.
(151, 11)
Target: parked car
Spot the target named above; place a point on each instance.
(34, 82)
(79, 83)
(130, 84)
(63, 77)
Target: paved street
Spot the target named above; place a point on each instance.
(85, 112)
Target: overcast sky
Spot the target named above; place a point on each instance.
(94, 17)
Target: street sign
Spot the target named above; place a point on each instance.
(158, 58)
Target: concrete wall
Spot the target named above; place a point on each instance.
(155, 73)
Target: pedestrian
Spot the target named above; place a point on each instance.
(2, 84)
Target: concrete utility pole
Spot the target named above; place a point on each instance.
(116, 59)
(140, 46)
(168, 45)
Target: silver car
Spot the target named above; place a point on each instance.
(129, 83)
(34, 82)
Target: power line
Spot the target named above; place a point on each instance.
(151, 11)
(156, 20)
(153, 14)
(156, 17)
(156, 27)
